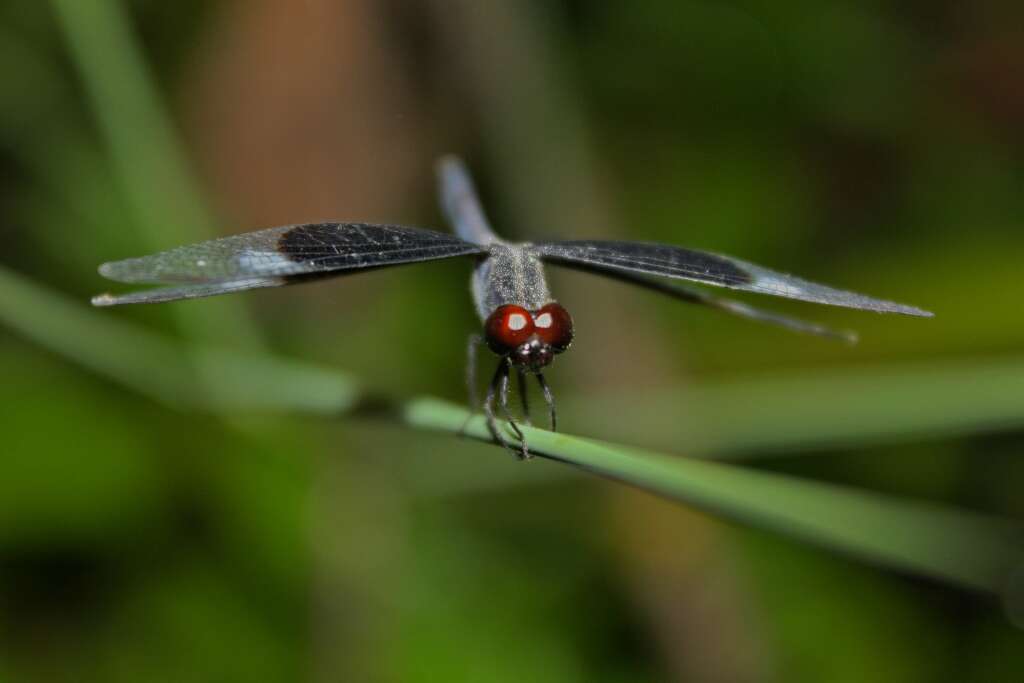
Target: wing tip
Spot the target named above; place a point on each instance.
(109, 270)
(104, 300)
(912, 310)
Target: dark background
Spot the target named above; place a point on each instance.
(870, 145)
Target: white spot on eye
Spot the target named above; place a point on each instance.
(543, 320)
(516, 322)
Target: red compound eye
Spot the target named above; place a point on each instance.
(508, 327)
(553, 325)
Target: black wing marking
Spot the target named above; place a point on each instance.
(707, 268)
(290, 250)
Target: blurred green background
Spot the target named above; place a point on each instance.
(154, 533)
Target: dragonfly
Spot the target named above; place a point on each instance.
(523, 324)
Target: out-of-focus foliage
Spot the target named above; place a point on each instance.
(876, 146)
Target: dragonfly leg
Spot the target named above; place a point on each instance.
(524, 395)
(503, 386)
(488, 405)
(549, 398)
(494, 391)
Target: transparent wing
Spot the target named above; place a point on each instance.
(290, 250)
(198, 291)
(707, 268)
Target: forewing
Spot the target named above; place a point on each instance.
(290, 251)
(708, 268)
(194, 291)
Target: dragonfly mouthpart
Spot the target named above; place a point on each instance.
(534, 355)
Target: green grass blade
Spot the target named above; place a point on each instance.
(846, 407)
(145, 150)
(143, 361)
(143, 145)
(154, 366)
(965, 548)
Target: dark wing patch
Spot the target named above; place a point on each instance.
(657, 259)
(708, 268)
(288, 251)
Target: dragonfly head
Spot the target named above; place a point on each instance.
(530, 339)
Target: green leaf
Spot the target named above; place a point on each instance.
(846, 407)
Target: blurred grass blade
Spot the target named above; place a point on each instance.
(965, 548)
(142, 361)
(829, 408)
(141, 138)
(260, 382)
(154, 366)
(145, 150)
